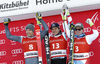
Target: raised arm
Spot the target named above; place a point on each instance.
(91, 37)
(39, 21)
(8, 34)
(66, 15)
(44, 32)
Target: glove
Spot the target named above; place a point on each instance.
(89, 21)
(38, 17)
(65, 12)
(6, 21)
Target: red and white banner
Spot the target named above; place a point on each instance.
(11, 52)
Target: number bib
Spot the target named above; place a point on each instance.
(81, 48)
(30, 47)
(58, 46)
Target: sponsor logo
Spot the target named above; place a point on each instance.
(95, 17)
(91, 53)
(47, 1)
(78, 55)
(2, 32)
(2, 53)
(56, 40)
(30, 54)
(80, 43)
(3, 63)
(98, 28)
(14, 5)
(81, 55)
(18, 62)
(2, 41)
(37, 32)
(60, 23)
(88, 29)
(46, 44)
(59, 52)
(13, 42)
(99, 40)
(31, 41)
(16, 51)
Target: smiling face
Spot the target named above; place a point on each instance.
(29, 33)
(55, 30)
(78, 30)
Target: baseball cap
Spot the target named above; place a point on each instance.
(54, 25)
(79, 25)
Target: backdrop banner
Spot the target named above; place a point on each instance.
(11, 52)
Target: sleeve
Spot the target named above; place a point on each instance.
(69, 18)
(66, 29)
(64, 35)
(12, 37)
(45, 31)
(91, 37)
(66, 25)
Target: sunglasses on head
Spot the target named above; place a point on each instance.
(78, 29)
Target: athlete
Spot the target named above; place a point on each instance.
(58, 40)
(29, 42)
(58, 45)
(82, 41)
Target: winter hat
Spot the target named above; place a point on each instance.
(30, 26)
(54, 25)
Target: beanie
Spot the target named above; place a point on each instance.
(30, 26)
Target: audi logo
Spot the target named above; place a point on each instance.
(98, 28)
(91, 53)
(2, 53)
(99, 40)
(16, 51)
(2, 41)
(18, 62)
(3, 63)
(88, 29)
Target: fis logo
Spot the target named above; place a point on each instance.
(13, 42)
(95, 17)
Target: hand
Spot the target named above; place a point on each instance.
(65, 12)
(89, 21)
(6, 21)
(38, 15)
